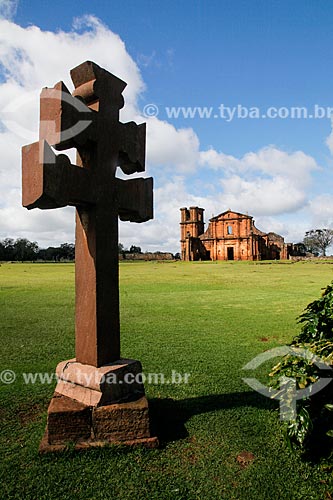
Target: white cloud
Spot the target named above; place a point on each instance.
(34, 58)
(8, 8)
(171, 148)
(263, 196)
(211, 158)
(271, 161)
(47, 227)
(321, 210)
(271, 224)
(270, 181)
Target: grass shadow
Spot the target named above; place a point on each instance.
(169, 416)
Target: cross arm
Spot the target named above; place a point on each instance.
(93, 83)
(135, 199)
(65, 121)
(132, 150)
(51, 181)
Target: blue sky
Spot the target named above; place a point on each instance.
(253, 54)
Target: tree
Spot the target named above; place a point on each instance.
(9, 249)
(2, 251)
(52, 253)
(67, 251)
(318, 240)
(25, 249)
(135, 249)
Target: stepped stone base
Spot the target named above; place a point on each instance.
(98, 413)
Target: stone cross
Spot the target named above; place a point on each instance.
(88, 120)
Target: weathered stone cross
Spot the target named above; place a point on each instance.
(89, 121)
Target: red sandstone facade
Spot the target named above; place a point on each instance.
(229, 236)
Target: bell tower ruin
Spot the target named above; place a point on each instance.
(191, 226)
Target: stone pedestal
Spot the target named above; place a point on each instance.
(98, 406)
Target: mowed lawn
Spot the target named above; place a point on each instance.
(205, 319)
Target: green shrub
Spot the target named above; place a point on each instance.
(316, 336)
(317, 319)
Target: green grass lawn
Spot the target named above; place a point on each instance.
(207, 319)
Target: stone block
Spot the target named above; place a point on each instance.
(115, 382)
(121, 422)
(67, 420)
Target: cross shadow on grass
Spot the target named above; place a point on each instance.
(169, 416)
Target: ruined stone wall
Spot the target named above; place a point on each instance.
(234, 249)
(229, 238)
(146, 256)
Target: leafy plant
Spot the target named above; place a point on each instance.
(316, 337)
(317, 319)
(298, 429)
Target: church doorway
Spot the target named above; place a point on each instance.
(230, 253)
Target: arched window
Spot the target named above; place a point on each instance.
(229, 229)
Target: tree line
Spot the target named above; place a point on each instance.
(22, 249)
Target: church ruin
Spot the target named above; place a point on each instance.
(229, 236)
